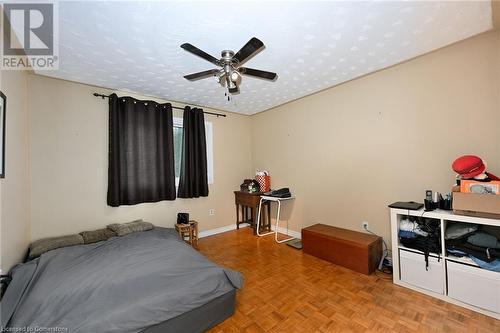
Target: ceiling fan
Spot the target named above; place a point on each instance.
(230, 73)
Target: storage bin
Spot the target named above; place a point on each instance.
(358, 251)
(414, 272)
(474, 286)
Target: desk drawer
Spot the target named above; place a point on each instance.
(247, 200)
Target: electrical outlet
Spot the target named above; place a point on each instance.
(365, 225)
(211, 212)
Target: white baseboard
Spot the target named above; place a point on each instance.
(292, 233)
(211, 232)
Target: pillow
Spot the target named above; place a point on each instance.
(98, 235)
(457, 230)
(37, 248)
(123, 229)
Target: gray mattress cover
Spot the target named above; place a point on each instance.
(200, 319)
(124, 284)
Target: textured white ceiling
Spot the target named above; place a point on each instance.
(134, 46)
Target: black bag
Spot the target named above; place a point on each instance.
(428, 244)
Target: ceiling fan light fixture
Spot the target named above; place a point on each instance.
(219, 77)
(235, 76)
(230, 75)
(233, 89)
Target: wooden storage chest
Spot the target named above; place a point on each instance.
(355, 250)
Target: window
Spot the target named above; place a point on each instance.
(178, 149)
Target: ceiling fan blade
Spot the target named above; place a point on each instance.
(201, 75)
(196, 51)
(251, 47)
(258, 73)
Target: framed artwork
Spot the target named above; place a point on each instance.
(3, 108)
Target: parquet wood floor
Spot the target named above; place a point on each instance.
(288, 291)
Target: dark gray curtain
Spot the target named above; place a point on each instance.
(193, 182)
(141, 152)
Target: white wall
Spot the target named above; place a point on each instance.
(15, 226)
(69, 163)
(351, 150)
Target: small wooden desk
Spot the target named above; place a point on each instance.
(249, 203)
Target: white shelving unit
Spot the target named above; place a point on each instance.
(456, 280)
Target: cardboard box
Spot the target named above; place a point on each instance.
(479, 205)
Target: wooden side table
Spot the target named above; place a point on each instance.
(188, 232)
(249, 203)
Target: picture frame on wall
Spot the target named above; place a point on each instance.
(3, 109)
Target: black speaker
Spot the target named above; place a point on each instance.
(183, 218)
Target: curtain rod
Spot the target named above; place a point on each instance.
(173, 107)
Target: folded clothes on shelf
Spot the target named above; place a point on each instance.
(482, 253)
(407, 234)
(424, 236)
(457, 253)
(492, 230)
(492, 266)
(483, 239)
(479, 245)
(459, 230)
(406, 225)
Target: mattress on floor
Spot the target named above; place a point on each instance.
(200, 319)
(124, 284)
